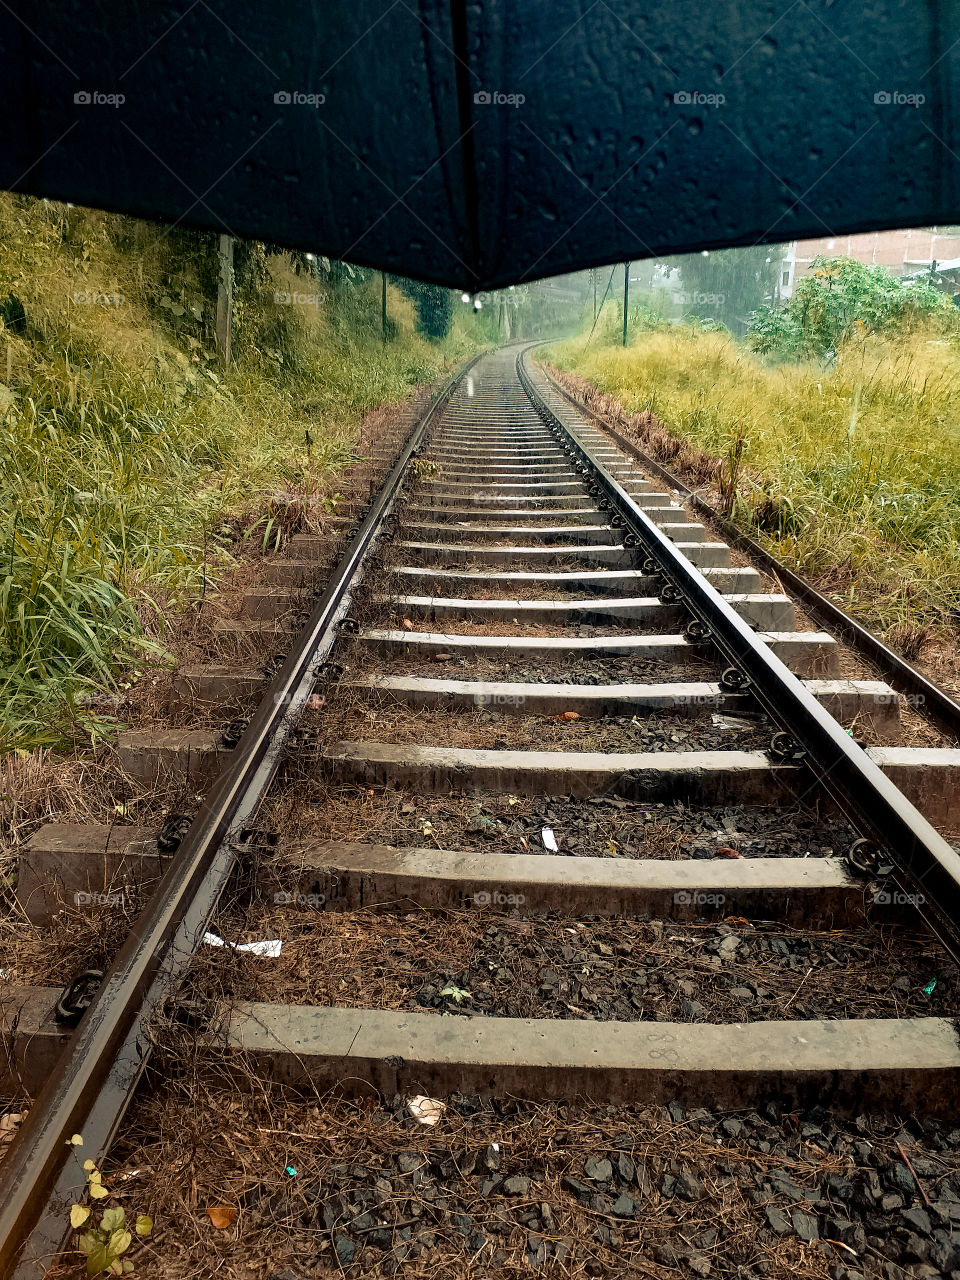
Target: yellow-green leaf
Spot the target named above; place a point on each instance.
(113, 1219)
(79, 1213)
(89, 1165)
(94, 1174)
(98, 1192)
(119, 1242)
(98, 1259)
(75, 1141)
(144, 1225)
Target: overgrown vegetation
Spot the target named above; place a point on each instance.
(126, 456)
(848, 470)
(434, 306)
(841, 299)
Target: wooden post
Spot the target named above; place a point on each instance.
(383, 307)
(225, 301)
(626, 298)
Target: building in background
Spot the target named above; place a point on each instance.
(906, 252)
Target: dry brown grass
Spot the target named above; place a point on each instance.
(368, 959)
(192, 1144)
(352, 716)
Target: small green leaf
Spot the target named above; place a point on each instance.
(75, 1141)
(144, 1225)
(79, 1213)
(119, 1242)
(112, 1219)
(86, 1242)
(89, 1166)
(98, 1259)
(97, 1191)
(125, 1267)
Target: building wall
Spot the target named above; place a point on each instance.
(898, 251)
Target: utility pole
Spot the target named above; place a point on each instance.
(383, 307)
(626, 298)
(225, 301)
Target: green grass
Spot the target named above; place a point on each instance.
(127, 462)
(850, 473)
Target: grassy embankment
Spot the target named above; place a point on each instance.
(127, 463)
(848, 471)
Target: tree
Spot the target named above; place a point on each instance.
(841, 297)
(730, 284)
(433, 305)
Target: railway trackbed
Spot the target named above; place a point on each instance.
(554, 808)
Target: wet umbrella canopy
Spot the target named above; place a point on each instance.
(486, 143)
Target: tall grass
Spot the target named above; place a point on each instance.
(124, 454)
(850, 473)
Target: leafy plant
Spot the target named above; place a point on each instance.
(426, 468)
(434, 306)
(456, 993)
(104, 1238)
(838, 299)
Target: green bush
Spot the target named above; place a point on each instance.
(840, 299)
(434, 307)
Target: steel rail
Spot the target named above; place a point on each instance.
(934, 700)
(875, 806)
(41, 1173)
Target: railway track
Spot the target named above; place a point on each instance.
(543, 723)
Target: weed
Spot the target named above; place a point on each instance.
(851, 474)
(103, 1238)
(132, 471)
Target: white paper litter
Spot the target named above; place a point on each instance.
(732, 722)
(426, 1110)
(266, 947)
(549, 840)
